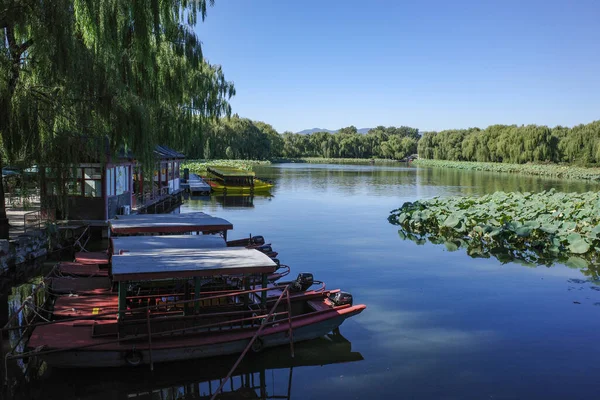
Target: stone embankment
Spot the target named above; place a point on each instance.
(25, 247)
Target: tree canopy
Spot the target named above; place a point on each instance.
(132, 71)
(515, 144)
(74, 72)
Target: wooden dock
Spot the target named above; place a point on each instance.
(197, 185)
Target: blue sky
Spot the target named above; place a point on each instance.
(432, 65)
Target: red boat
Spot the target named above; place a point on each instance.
(149, 325)
(166, 298)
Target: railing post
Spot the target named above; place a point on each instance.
(149, 339)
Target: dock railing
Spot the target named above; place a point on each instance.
(144, 200)
(36, 219)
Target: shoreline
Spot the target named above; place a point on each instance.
(547, 170)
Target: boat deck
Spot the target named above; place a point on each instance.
(88, 286)
(98, 258)
(79, 269)
(86, 306)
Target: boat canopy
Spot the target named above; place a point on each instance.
(134, 244)
(230, 172)
(187, 263)
(168, 223)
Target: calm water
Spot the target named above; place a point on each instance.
(439, 325)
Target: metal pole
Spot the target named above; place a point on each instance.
(149, 340)
(291, 333)
(262, 325)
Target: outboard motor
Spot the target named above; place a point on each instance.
(302, 283)
(341, 298)
(305, 280)
(265, 249)
(257, 240)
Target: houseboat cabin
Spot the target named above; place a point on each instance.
(98, 191)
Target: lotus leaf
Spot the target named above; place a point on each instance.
(577, 244)
(523, 231)
(576, 262)
(452, 221)
(451, 246)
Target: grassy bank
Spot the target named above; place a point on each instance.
(549, 170)
(537, 228)
(319, 160)
(199, 166)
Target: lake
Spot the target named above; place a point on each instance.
(438, 324)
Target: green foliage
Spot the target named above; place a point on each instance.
(539, 228)
(198, 167)
(381, 142)
(235, 138)
(549, 170)
(72, 71)
(515, 144)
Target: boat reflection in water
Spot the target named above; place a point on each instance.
(267, 375)
(227, 200)
(242, 201)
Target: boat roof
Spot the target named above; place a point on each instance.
(186, 263)
(164, 152)
(168, 223)
(229, 172)
(135, 244)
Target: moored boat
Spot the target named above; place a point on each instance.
(150, 328)
(233, 181)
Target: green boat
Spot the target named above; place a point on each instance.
(234, 180)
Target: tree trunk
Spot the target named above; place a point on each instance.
(4, 226)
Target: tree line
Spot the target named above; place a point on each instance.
(579, 145)
(241, 138)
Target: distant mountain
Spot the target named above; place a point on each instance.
(314, 130)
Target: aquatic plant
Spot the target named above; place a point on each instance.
(531, 228)
(549, 170)
(199, 166)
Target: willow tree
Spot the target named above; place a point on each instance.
(75, 71)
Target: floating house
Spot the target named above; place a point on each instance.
(97, 192)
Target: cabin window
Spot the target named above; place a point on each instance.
(110, 182)
(92, 182)
(122, 180)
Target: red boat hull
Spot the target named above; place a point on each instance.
(65, 337)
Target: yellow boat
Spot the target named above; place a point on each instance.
(233, 180)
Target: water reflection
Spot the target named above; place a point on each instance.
(401, 180)
(454, 181)
(227, 201)
(267, 375)
(506, 253)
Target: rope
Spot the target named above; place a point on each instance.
(33, 308)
